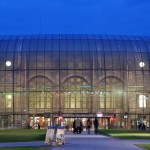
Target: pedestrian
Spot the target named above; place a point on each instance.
(88, 125)
(39, 126)
(81, 125)
(78, 125)
(96, 124)
(74, 126)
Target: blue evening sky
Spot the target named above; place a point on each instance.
(129, 17)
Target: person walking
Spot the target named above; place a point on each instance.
(96, 124)
(74, 126)
(39, 126)
(78, 125)
(88, 125)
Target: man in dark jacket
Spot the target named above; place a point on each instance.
(96, 124)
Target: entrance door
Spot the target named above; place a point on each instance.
(34, 121)
(104, 123)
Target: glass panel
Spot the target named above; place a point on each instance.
(3, 60)
(108, 60)
(63, 60)
(71, 60)
(120, 45)
(85, 46)
(32, 60)
(116, 61)
(106, 45)
(131, 61)
(55, 60)
(87, 60)
(26, 45)
(11, 45)
(128, 46)
(77, 45)
(55, 45)
(33, 45)
(3, 45)
(70, 45)
(40, 64)
(92, 45)
(41, 44)
(48, 45)
(48, 60)
(63, 45)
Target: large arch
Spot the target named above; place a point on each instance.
(40, 94)
(75, 97)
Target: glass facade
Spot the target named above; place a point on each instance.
(42, 75)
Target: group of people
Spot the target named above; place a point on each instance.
(78, 126)
(89, 125)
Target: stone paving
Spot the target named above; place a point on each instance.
(87, 142)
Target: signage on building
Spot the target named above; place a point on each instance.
(77, 115)
(85, 86)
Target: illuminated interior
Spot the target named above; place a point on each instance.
(47, 75)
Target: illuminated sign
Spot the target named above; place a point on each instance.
(85, 86)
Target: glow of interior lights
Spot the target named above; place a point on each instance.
(141, 64)
(9, 96)
(8, 63)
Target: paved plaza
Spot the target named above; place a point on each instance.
(87, 142)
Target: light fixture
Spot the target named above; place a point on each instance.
(9, 96)
(99, 114)
(141, 64)
(8, 63)
(142, 101)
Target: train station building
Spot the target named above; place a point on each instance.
(75, 76)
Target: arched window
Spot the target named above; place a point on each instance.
(39, 93)
(75, 94)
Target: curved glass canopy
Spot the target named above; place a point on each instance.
(72, 74)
